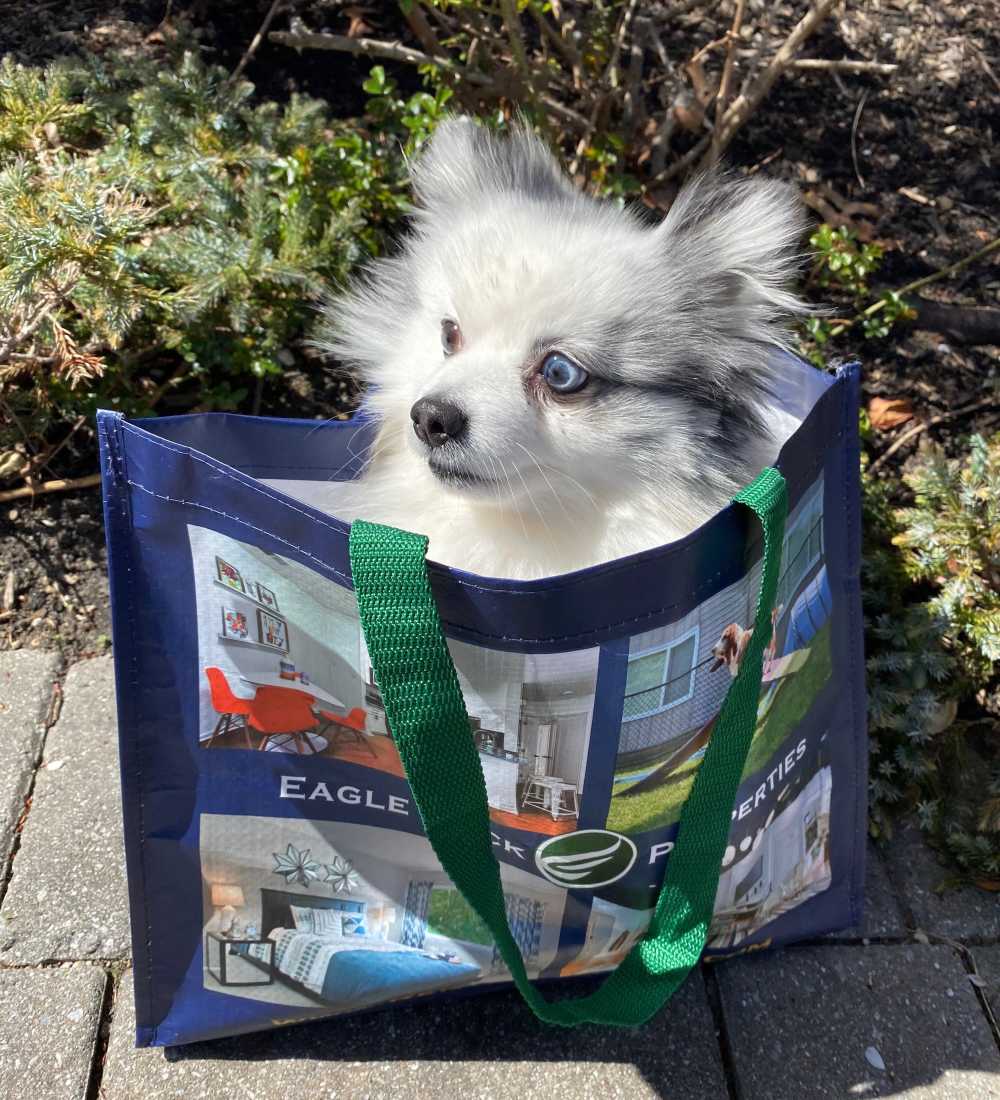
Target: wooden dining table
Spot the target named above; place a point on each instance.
(315, 741)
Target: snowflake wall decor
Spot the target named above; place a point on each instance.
(341, 875)
(297, 867)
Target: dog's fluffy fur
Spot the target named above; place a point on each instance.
(676, 325)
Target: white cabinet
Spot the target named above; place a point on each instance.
(501, 781)
(376, 722)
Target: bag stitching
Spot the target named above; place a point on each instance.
(855, 671)
(137, 758)
(242, 522)
(604, 570)
(656, 613)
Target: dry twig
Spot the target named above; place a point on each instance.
(844, 65)
(919, 284)
(372, 47)
(748, 101)
(941, 418)
(722, 99)
(245, 60)
(61, 485)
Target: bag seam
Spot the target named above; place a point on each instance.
(855, 671)
(611, 568)
(136, 754)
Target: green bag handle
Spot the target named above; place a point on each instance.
(427, 715)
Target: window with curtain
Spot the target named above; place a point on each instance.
(661, 679)
(449, 914)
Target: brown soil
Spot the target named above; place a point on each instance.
(925, 162)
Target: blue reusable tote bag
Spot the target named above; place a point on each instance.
(351, 777)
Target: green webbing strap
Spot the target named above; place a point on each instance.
(427, 716)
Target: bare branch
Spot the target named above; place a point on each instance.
(747, 102)
(372, 47)
(612, 74)
(422, 30)
(512, 25)
(825, 65)
(396, 51)
(272, 11)
(59, 486)
(941, 418)
(919, 284)
(722, 99)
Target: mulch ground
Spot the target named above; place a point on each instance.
(917, 174)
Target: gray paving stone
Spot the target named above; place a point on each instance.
(26, 678)
(800, 1023)
(966, 913)
(67, 895)
(486, 1047)
(48, 1030)
(882, 916)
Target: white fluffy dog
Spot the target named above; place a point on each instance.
(558, 383)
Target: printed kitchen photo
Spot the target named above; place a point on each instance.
(337, 916)
(284, 668)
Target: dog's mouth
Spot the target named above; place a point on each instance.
(459, 478)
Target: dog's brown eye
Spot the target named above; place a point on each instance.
(451, 337)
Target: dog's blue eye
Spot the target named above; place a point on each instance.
(562, 374)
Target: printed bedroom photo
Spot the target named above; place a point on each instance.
(336, 916)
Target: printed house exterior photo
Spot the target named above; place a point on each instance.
(678, 676)
(285, 669)
(341, 916)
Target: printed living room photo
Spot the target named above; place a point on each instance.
(337, 916)
(284, 668)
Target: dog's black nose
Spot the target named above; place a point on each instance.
(436, 421)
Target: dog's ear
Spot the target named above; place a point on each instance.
(736, 244)
(465, 162)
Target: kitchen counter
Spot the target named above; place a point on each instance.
(501, 780)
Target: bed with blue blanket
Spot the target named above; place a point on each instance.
(322, 947)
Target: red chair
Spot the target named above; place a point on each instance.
(349, 726)
(230, 708)
(283, 712)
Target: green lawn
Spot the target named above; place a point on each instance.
(662, 805)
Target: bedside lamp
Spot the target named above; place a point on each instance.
(226, 899)
(388, 919)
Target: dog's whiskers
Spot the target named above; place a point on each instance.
(558, 499)
(538, 512)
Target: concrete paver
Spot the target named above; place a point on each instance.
(26, 678)
(67, 897)
(883, 917)
(48, 1030)
(834, 1020)
(819, 1022)
(487, 1047)
(959, 913)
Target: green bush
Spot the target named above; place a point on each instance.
(159, 230)
(931, 586)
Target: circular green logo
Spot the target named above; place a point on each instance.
(586, 859)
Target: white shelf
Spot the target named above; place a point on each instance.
(253, 645)
(246, 596)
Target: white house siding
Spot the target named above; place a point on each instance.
(733, 604)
